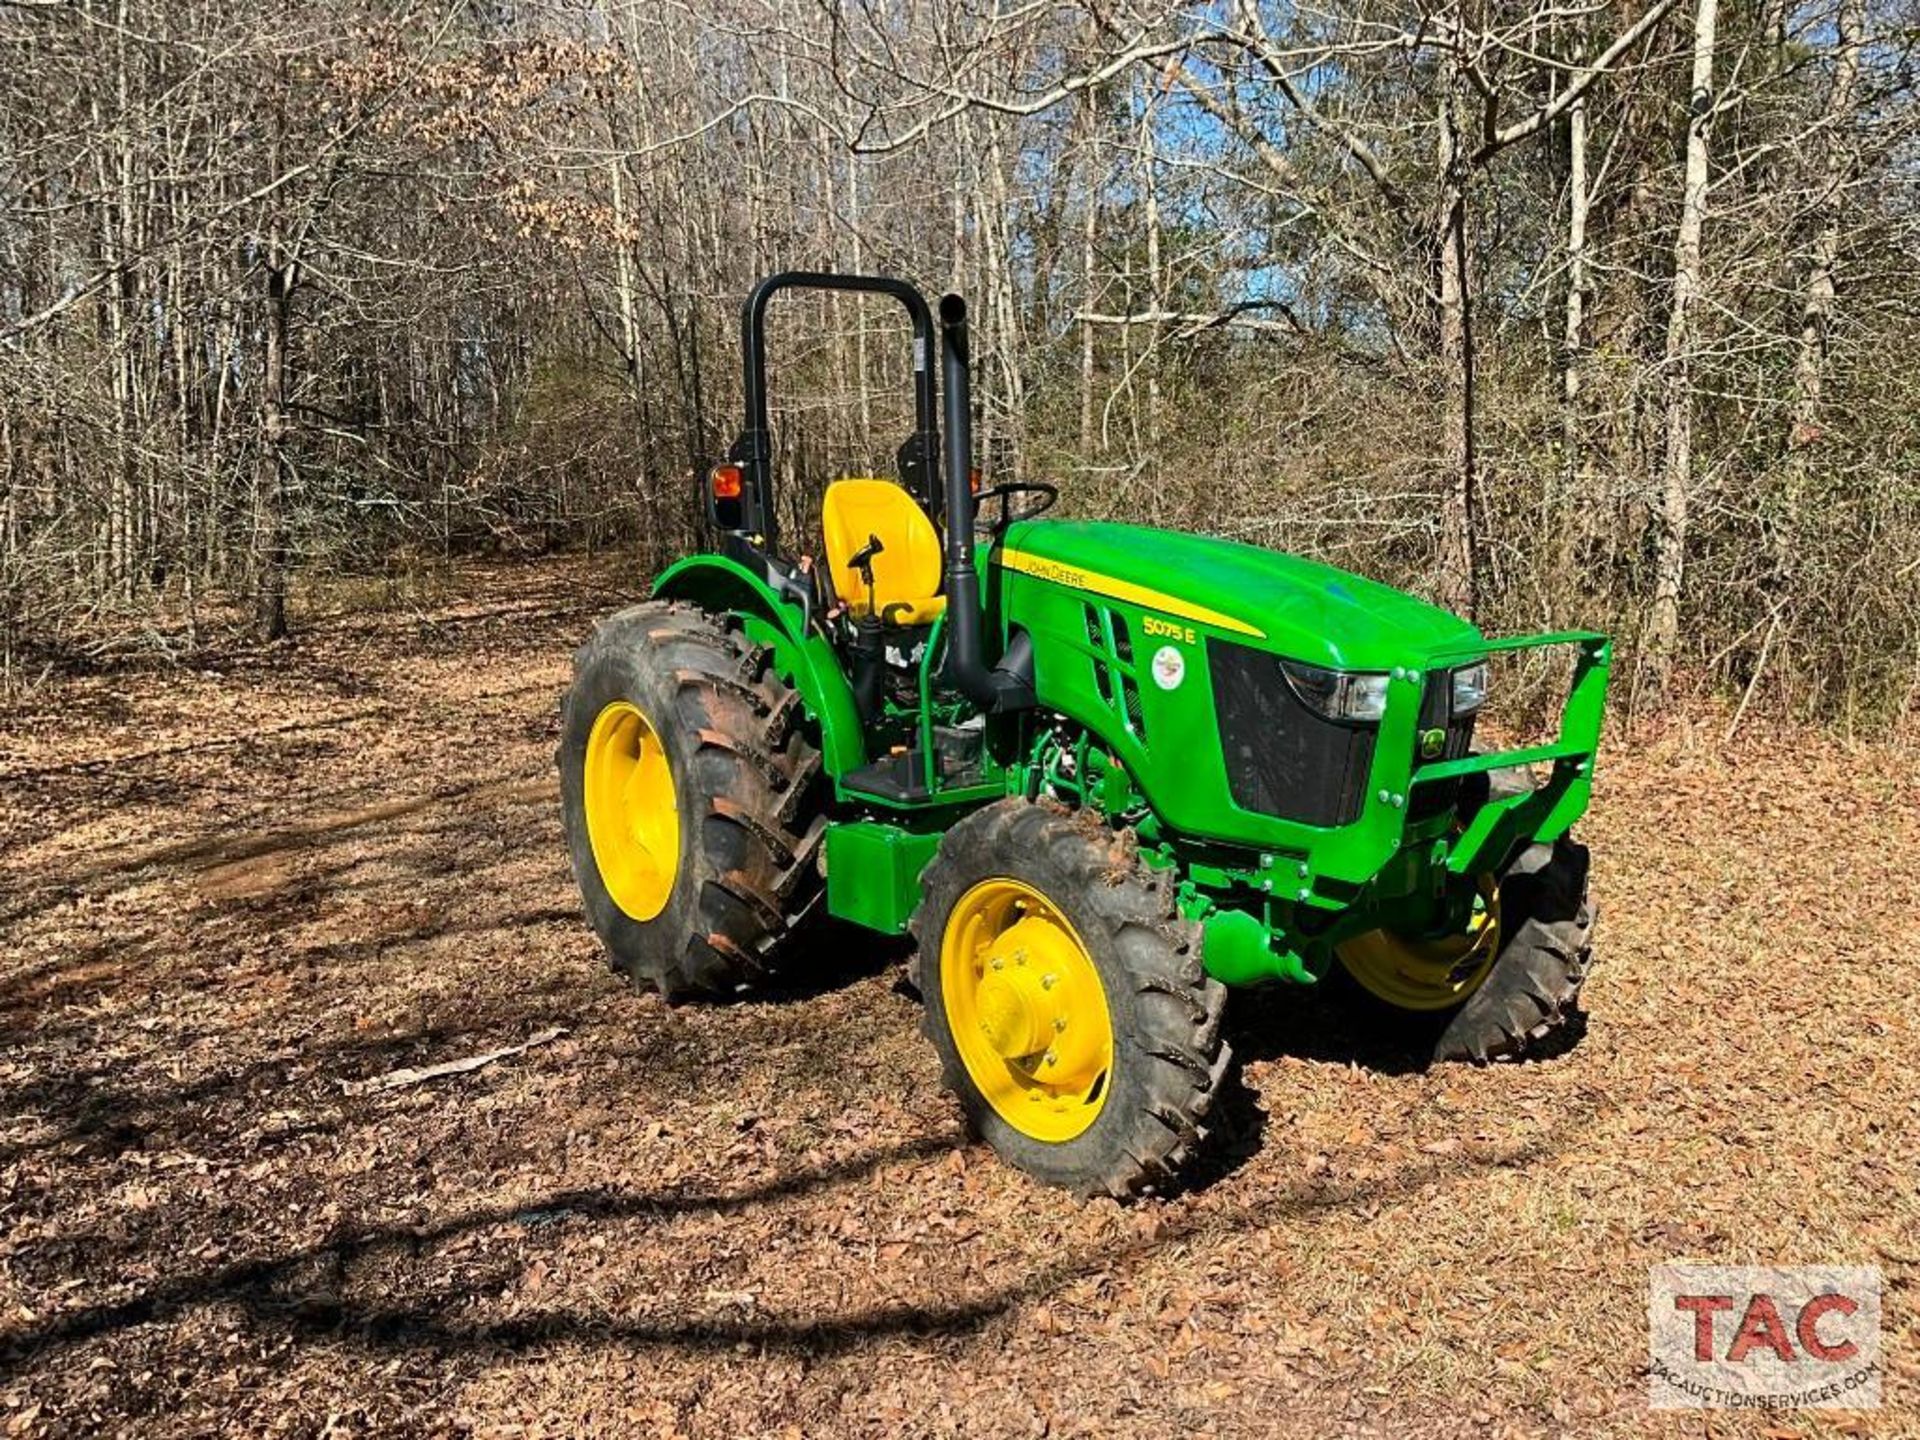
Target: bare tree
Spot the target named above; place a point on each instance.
(1425, 291)
(1670, 554)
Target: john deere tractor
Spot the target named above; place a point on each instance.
(1103, 775)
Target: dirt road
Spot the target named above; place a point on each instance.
(226, 895)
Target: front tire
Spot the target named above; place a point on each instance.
(1066, 999)
(691, 799)
(1531, 998)
(1519, 999)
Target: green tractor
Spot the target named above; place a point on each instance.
(1102, 775)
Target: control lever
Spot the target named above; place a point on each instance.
(795, 585)
(869, 649)
(862, 561)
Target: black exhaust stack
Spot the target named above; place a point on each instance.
(1008, 685)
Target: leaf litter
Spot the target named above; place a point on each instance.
(224, 894)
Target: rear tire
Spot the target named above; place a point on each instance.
(1167, 1058)
(745, 782)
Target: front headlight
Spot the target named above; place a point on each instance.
(1469, 688)
(1337, 694)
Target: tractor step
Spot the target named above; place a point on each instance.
(897, 777)
(902, 776)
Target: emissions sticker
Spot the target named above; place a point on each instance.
(1169, 667)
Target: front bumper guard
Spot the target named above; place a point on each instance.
(1545, 812)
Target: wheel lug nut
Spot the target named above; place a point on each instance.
(1047, 982)
(998, 963)
(1052, 1059)
(1059, 1023)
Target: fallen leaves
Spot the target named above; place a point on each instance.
(763, 1218)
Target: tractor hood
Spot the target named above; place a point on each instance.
(1300, 608)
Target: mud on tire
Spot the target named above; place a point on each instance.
(1169, 1057)
(747, 784)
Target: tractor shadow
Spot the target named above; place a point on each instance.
(1334, 1023)
(1330, 1024)
(307, 1294)
(830, 955)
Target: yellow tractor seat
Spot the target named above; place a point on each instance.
(906, 571)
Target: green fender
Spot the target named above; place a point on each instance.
(805, 660)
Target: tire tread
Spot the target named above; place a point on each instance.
(758, 812)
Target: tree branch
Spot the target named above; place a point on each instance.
(1581, 83)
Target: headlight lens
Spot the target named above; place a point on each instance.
(1337, 694)
(1469, 688)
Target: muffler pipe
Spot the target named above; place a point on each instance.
(966, 668)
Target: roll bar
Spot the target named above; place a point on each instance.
(754, 536)
(753, 451)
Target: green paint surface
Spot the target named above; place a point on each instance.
(1306, 610)
(873, 873)
(1121, 619)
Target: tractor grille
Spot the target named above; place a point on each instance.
(1282, 758)
(1113, 676)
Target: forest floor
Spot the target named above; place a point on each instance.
(229, 892)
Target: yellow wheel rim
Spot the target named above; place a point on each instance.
(1422, 974)
(1026, 1009)
(633, 816)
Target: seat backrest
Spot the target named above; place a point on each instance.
(907, 569)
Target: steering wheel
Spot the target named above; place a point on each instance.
(1004, 493)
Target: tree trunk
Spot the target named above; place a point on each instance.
(1816, 315)
(1458, 587)
(1572, 333)
(1670, 540)
(860, 360)
(1089, 230)
(623, 282)
(1156, 286)
(270, 484)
